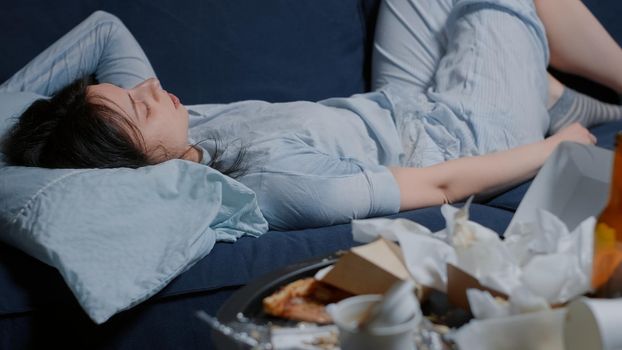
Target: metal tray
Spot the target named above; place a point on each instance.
(246, 303)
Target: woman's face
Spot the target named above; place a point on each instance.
(159, 116)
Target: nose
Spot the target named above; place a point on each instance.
(147, 89)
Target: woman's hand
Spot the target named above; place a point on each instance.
(574, 132)
(459, 178)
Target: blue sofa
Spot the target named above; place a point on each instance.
(216, 51)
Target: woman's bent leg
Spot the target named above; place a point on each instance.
(579, 44)
(100, 45)
(409, 42)
(493, 76)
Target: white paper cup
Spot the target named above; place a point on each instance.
(398, 305)
(346, 315)
(593, 324)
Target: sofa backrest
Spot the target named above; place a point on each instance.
(217, 51)
(214, 51)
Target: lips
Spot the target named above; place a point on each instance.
(175, 100)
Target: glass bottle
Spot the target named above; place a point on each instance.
(606, 266)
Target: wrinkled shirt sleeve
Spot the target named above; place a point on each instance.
(301, 187)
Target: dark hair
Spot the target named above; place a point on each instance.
(69, 131)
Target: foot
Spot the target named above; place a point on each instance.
(573, 106)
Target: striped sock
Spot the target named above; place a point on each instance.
(574, 106)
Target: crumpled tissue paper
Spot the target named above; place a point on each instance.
(539, 264)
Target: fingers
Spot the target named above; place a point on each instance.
(593, 138)
(577, 133)
(584, 133)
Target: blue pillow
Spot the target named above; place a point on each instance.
(118, 236)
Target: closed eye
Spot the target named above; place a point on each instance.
(148, 108)
(135, 104)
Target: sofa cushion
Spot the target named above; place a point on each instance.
(29, 285)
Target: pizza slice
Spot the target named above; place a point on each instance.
(303, 300)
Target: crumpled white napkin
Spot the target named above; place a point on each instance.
(538, 264)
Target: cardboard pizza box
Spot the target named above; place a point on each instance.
(368, 269)
(458, 281)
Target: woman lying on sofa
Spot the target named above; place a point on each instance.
(462, 104)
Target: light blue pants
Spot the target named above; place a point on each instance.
(465, 77)
(100, 45)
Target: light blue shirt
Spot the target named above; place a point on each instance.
(310, 164)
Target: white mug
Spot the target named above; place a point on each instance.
(347, 313)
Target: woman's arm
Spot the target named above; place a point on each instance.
(100, 45)
(459, 178)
